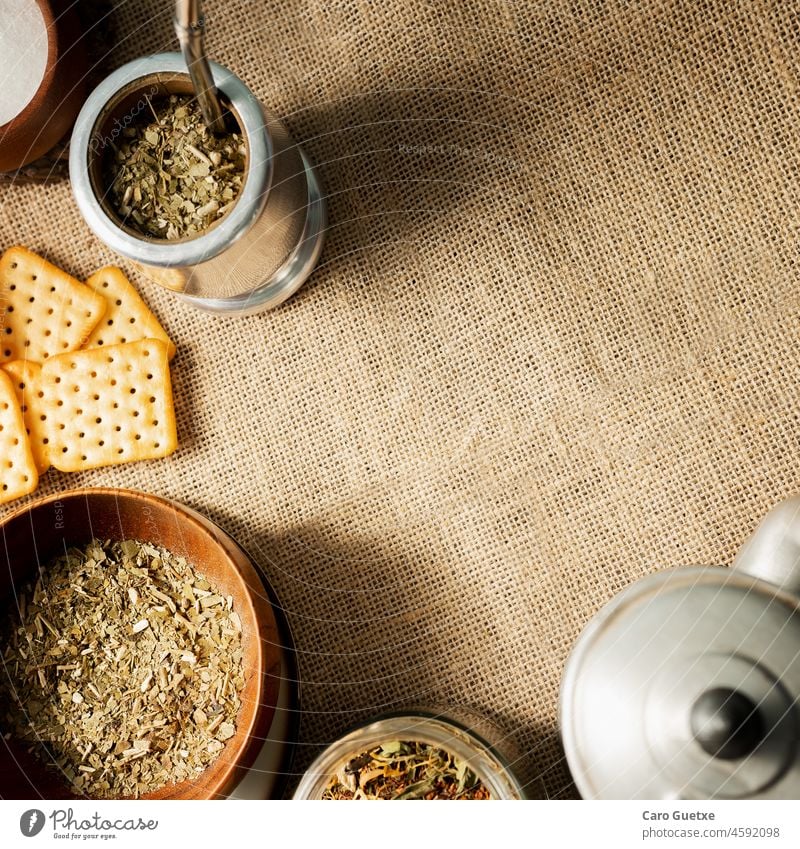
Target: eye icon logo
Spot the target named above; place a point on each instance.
(31, 822)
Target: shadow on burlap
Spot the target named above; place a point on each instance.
(551, 346)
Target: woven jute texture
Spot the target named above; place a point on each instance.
(552, 344)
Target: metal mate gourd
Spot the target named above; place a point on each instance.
(262, 250)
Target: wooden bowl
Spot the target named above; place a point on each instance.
(52, 110)
(34, 535)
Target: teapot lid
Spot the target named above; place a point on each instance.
(686, 686)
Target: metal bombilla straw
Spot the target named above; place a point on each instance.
(190, 26)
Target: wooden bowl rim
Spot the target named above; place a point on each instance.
(220, 771)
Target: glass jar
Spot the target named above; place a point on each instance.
(437, 730)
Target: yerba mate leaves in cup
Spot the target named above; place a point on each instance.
(169, 176)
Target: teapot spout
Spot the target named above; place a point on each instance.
(773, 552)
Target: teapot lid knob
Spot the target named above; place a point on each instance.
(726, 723)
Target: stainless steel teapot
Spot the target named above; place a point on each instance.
(687, 684)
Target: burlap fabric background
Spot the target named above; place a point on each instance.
(552, 344)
